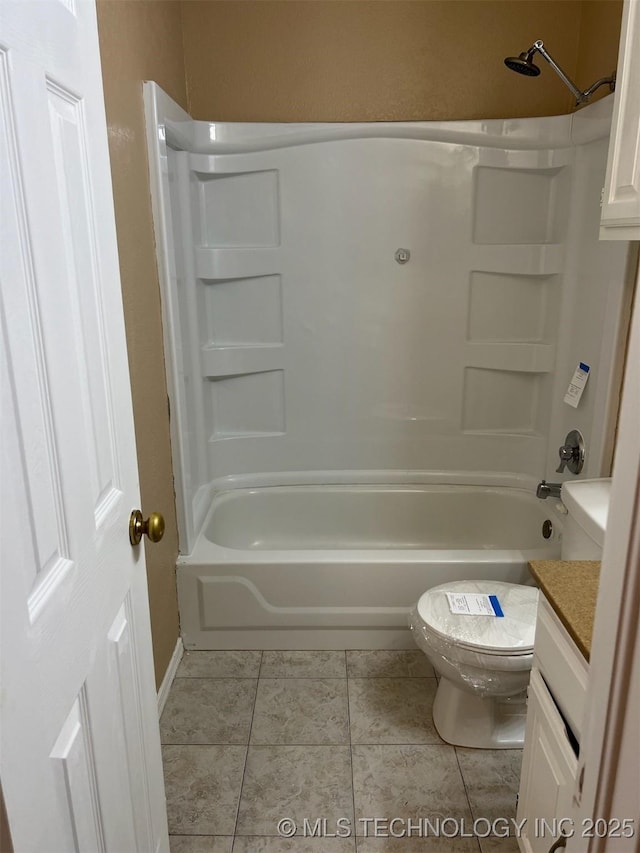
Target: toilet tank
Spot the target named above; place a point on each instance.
(587, 503)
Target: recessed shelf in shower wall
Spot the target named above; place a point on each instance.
(244, 311)
(500, 401)
(519, 206)
(248, 405)
(529, 307)
(237, 209)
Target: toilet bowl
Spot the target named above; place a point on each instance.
(483, 662)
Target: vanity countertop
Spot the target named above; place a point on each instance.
(571, 588)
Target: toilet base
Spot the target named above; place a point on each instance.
(463, 719)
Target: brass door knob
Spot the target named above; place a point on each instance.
(153, 527)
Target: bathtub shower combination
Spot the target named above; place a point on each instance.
(369, 332)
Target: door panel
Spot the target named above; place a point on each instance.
(80, 761)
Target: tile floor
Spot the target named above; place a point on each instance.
(253, 737)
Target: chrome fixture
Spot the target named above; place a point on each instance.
(547, 528)
(571, 453)
(548, 490)
(523, 64)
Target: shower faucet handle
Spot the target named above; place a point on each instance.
(572, 453)
(566, 455)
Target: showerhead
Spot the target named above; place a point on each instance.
(523, 64)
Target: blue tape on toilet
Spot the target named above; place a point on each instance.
(496, 605)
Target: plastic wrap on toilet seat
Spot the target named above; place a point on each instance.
(483, 674)
(511, 634)
(491, 656)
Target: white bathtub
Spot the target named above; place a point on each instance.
(335, 566)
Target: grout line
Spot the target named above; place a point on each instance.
(298, 838)
(201, 835)
(303, 677)
(353, 784)
(466, 792)
(313, 743)
(217, 678)
(392, 677)
(246, 755)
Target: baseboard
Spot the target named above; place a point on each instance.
(169, 675)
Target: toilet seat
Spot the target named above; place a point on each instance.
(509, 636)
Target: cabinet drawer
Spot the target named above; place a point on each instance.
(564, 668)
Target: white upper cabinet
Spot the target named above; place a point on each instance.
(621, 198)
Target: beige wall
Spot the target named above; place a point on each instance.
(386, 60)
(142, 40)
(599, 36)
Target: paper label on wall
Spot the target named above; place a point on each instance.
(474, 604)
(576, 386)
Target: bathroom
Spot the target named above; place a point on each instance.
(340, 62)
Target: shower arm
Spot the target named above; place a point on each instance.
(580, 96)
(603, 81)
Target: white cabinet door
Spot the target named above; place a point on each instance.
(549, 769)
(80, 749)
(621, 199)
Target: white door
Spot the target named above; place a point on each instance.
(80, 749)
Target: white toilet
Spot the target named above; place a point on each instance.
(484, 662)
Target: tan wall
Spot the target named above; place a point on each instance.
(142, 40)
(599, 36)
(374, 60)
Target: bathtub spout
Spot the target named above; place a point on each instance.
(548, 490)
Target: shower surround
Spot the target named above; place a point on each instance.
(392, 305)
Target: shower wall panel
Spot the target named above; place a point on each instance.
(305, 345)
(319, 350)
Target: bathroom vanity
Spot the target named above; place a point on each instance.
(556, 699)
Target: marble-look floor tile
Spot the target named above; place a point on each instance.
(492, 777)
(314, 664)
(381, 663)
(294, 782)
(200, 843)
(203, 788)
(301, 710)
(417, 845)
(264, 844)
(408, 782)
(392, 710)
(233, 664)
(208, 710)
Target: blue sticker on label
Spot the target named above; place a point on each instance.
(584, 367)
(496, 605)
